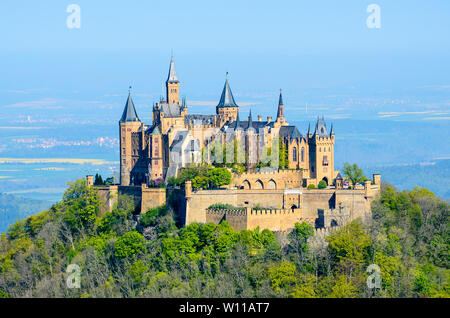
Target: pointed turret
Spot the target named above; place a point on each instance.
(250, 121)
(331, 130)
(321, 127)
(280, 106)
(237, 123)
(227, 99)
(129, 113)
(172, 77)
(309, 129)
(172, 85)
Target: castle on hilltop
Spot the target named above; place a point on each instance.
(280, 167)
(176, 139)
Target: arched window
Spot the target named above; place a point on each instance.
(303, 154)
(294, 154)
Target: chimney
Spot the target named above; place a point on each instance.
(259, 118)
(269, 119)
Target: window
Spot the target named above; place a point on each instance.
(294, 154)
(303, 154)
(325, 160)
(320, 149)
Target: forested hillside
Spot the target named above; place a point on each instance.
(124, 255)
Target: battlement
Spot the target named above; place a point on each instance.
(275, 211)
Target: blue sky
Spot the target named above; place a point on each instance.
(319, 52)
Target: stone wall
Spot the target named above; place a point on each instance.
(144, 198)
(250, 219)
(280, 179)
(281, 208)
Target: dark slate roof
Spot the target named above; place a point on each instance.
(129, 113)
(321, 128)
(280, 100)
(171, 110)
(339, 177)
(227, 99)
(172, 77)
(153, 130)
(178, 140)
(290, 132)
(196, 119)
(239, 124)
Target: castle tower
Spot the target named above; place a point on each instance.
(129, 154)
(251, 144)
(321, 153)
(227, 108)
(156, 154)
(172, 85)
(280, 112)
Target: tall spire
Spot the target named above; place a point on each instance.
(172, 78)
(280, 106)
(309, 129)
(129, 113)
(237, 123)
(227, 99)
(250, 121)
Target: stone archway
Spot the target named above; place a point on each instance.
(246, 185)
(333, 223)
(271, 184)
(259, 184)
(326, 180)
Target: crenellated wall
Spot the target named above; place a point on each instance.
(280, 209)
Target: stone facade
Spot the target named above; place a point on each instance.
(176, 139)
(279, 209)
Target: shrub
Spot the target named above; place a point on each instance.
(220, 177)
(218, 206)
(311, 186)
(129, 245)
(322, 184)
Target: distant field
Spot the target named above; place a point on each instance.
(58, 160)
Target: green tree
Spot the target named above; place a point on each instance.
(349, 246)
(98, 180)
(129, 245)
(322, 184)
(283, 155)
(220, 177)
(353, 173)
(82, 205)
(200, 182)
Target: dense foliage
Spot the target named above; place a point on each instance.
(121, 254)
(202, 177)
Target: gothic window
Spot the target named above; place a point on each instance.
(294, 154)
(303, 154)
(325, 160)
(329, 149)
(320, 149)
